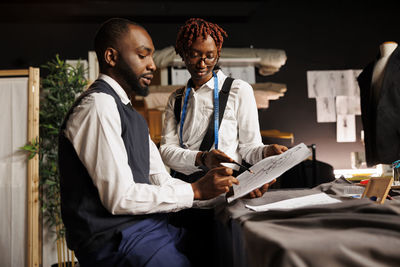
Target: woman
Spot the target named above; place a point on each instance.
(199, 134)
(234, 138)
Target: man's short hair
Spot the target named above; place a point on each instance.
(108, 34)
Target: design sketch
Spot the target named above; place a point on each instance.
(326, 111)
(346, 128)
(331, 83)
(338, 99)
(268, 169)
(179, 76)
(347, 105)
(245, 73)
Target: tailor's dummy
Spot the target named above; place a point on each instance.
(386, 49)
(380, 113)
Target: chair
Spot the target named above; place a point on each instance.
(278, 134)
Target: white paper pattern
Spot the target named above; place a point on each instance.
(247, 73)
(298, 202)
(336, 91)
(326, 109)
(348, 105)
(331, 83)
(179, 76)
(346, 128)
(268, 169)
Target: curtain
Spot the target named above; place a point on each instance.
(13, 171)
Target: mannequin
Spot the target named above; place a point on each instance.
(380, 113)
(386, 49)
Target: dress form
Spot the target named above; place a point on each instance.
(386, 49)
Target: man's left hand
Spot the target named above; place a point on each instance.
(274, 149)
(259, 192)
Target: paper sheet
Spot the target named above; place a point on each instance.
(298, 202)
(346, 128)
(268, 169)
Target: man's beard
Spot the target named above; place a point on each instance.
(131, 79)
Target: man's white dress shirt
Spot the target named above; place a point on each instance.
(94, 129)
(239, 132)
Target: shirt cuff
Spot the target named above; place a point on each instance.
(185, 195)
(191, 156)
(211, 203)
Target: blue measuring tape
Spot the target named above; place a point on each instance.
(216, 112)
(396, 164)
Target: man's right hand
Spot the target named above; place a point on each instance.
(214, 183)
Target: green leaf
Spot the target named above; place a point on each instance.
(58, 92)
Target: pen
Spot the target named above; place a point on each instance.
(244, 167)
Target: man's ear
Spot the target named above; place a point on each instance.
(111, 56)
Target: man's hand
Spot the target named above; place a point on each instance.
(212, 159)
(214, 183)
(273, 150)
(259, 192)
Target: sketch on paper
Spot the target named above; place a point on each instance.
(331, 83)
(326, 111)
(346, 128)
(179, 76)
(337, 99)
(348, 105)
(268, 169)
(321, 84)
(245, 73)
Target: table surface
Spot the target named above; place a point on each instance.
(355, 232)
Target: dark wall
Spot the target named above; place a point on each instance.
(316, 35)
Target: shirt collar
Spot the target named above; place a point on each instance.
(116, 87)
(210, 84)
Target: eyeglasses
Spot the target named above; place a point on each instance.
(195, 58)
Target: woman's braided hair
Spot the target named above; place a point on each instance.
(194, 28)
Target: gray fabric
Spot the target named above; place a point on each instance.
(356, 232)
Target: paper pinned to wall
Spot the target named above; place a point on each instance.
(348, 105)
(245, 73)
(179, 76)
(346, 128)
(337, 99)
(321, 83)
(331, 83)
(326, 109)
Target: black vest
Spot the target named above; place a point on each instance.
(88, 224)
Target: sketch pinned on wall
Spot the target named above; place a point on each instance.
(321, 83)
(179, 76)
(337, 93)
(331, 83)
(346, 128)
(326, 109)
(347, 85)
(247, 73)
(348, 105)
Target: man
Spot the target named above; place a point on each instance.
(115, 191)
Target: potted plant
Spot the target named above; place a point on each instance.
(59, 88)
